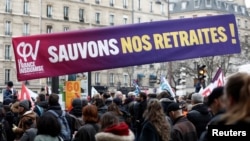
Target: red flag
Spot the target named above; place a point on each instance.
(25, 94)
(219, 78)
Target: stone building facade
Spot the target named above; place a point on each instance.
(26, 17)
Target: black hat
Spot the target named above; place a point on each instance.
(173, 107)
(216, 93)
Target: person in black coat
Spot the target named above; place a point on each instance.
(155, 127)
(139, 109)
(88, 131)
(182, 129)
(199, 115)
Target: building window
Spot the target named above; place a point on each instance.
(49, 11)
(7, 55)
(246, 38)
(125, 20)
(235, 8)
(196, 3)
(218, 3)
(125, 79)
(183, 5)
(97, 78)
(26, 29)
(49, 29)
(97, 18)
(111, 79)
(152, 79)
(7, 75)
(151, 6)
(66, 28)
(26, 7)
(238, 22)
(111, 19)
(246, 24)
(208, 3)
(8, 6)
(111, 2)
(226, 5)
(163, 8)
(243, 10)
(139, 4)
(151, 66)
(66, 12)
(8, 28)
(171, 7)
(138, 20)
(81, 15)
(97, 1)
(125, 3)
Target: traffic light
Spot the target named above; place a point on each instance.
(202, 72)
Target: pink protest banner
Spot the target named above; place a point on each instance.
(55, 54)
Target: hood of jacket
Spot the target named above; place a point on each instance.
(108, 136)
(201, 108)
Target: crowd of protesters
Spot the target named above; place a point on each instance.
(128, 117)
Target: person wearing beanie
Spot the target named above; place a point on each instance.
(113, 130)
(27, 118)
(199, 114)
(24, 104)
(76, 113)
(76, 107)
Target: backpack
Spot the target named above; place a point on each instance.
(65, 130)
(40, 110)
(78, 122)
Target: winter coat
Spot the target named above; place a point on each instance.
(149, 133)
(199, 116)
(87, 132)
(27, 120)
(119, 132)
(183, 130)
(29, 135)
(47, 138)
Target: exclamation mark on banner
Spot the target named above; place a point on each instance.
(231, 26)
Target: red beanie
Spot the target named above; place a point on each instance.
(118, 129)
